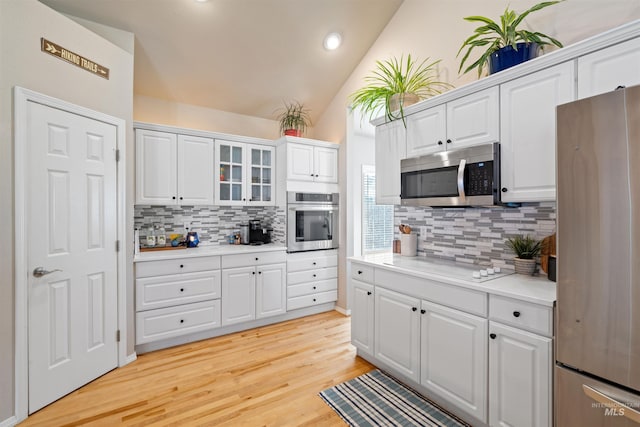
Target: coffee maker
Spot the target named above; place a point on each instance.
(259, 235)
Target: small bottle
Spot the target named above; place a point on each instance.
(151, 237)
(161, 237)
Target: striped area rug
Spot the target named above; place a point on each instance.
(377, 399)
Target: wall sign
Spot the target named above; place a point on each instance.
(73, 58)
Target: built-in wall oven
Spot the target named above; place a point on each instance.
(312, 221)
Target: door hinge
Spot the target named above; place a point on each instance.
(117, 155)
(118, 335)
(117, 245)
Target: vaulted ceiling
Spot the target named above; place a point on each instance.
(241, 56)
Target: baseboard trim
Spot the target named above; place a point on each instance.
(343, 311)
(9, 422)
(130, 358)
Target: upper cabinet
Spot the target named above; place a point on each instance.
(312, 163)
(244, 174)
(173, 169)
(469, 120)
(604, 70)
(391, 147)
(528, 130)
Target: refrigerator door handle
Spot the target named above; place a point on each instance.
(609, 402)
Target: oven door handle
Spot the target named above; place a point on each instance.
(312, 208)
(463, 164)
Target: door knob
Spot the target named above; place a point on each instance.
(40, 271)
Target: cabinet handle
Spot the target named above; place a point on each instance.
(359, 271)
(516, 314)
(492, 336)
(314, 300)
(317, 176)
(311, 175)
(504, 189)
(414, 308)
(174, 197)
(180, 197)
(181, 320)
(181, 289)
(259, 272)
(314, 287)
(253, 272)
(256, 258)
(368, 292)
(423, 311)
(448, 141)
(314, 263)
(439, 142)
(181, 266)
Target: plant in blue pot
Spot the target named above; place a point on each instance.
(505, 45)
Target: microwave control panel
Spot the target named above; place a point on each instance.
(479, 179)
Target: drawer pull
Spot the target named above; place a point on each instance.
(423, 311)
(516, 314)
(314, 300)
(492, 336)
(181, 289)
(314, 275)
(359, 271)
(314, 263)
(256, 258)
(368, 292)
(314, 287)
(253, 272)
(181, 320)
(181, 266)
(414, 308)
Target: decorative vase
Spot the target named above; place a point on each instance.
(507, 56)
(404, 99)
(293, 132)
(525, 266)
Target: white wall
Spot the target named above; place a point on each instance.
(436, 29)
(22, 24)
(154, 110)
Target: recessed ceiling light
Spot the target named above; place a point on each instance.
(332, 41)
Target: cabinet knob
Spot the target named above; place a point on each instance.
(259, 272)
(492, 336)
(314, 300)
(181, 266)
(368, 292)
(439, 142)
(314, 263)
(244, 200)
(448, 141)
(314, 287)
(253, 272)
(311, 175)
(423, 311)
(256, 258)
(359, 271)
(181, 320)
(414, 308)
(317, 175)
(516, 314)
(504, 189)
(314, 275)
(181, 289)
(174, 197)
(180, 197)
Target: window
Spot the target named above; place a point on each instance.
(377, 220)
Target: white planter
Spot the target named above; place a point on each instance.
(525, 266)
(408, 244)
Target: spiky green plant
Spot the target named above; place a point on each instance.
(496, 36)
(525, 247)
(294, 116)
(396, 76)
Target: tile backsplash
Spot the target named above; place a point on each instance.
(212, 223)
(475, 235)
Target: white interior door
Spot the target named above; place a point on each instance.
(72, 226)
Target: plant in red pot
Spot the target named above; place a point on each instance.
(294, 119)
(505, 44)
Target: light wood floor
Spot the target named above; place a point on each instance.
(268, 376)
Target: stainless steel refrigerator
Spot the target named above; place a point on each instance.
(597, 372)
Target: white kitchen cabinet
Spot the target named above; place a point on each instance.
(312, 163)
(244, 174)
(391, 147)
(469, 120)
(312, 278)
(528, 132)
(453, 357)
(397, 332)
(362, 303)
(604, 70)
(520, 384)
(271, 292)
(253, 286)
(173, 169)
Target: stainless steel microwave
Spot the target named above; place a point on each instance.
(464, 177)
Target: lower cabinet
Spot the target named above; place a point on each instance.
(312, 278)
(453, 357)
(397, 332)
(520, 381)
(271, 292)
(239, 295)
(362, 317)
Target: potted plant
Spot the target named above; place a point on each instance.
(526, 249)
(395, 84)
(294, 119)
(506, 45)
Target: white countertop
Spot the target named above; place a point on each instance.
(206, 250)
(534, 289)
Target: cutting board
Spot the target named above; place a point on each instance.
(548, 248)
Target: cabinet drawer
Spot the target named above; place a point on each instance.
(312, 275)
(312, 288)
(524, 315)
(311, 300)
(176, 266)
(362, 272)
(257, 258)
(170, 322)
(311, 260)
(166, 291)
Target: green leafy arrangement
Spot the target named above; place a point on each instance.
(294, 116)
(495, 36)
(525, 247)
(397, 76)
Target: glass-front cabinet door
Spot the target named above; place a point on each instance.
(261, 173)
(230, 173)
